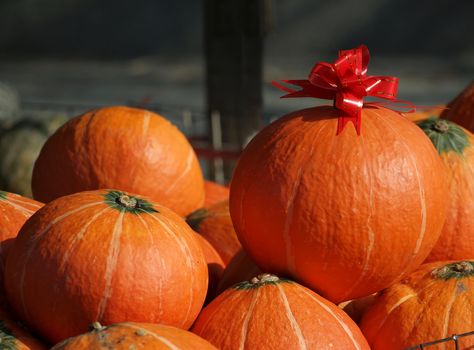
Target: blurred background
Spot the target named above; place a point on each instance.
(207, 65)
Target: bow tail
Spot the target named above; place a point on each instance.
(350, 106)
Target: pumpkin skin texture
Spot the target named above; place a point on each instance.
(215, 266)
(433, 303)
(455, 146)
(461, 109)
(328, 209)
(130, 335)
(214, 193)
(104, 256)
(20, 145)
(245, 315)
(129, 149)
(15, 337)
(240, 268)
(215, 225)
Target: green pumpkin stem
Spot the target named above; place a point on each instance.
(124, 202)
(445, 135)
(460, 269)
(196, 217)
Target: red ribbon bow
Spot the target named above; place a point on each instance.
(346, 82)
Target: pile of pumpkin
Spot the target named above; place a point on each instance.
(131, 242)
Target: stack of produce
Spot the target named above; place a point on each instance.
(333, 205)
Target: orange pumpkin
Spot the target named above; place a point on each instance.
(425, 113)
(215, 266)
(214, 224)
(14, 211)
(328, 209)
(104, 256)
(240, 268)
(130, 335)
(433, 303)
(461, 109)
(455, 145)
(214, 193)
(273, 313)
(124, 148)
(15, 337)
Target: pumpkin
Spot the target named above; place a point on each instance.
(214, 193)
(131, 335)
(455, 146)
(425, 113)
(328, 209)
(240, 268)
(272, 313)
(461, 109)
(105, 256)
(14, 211)
(215, 225)
(20, 145)
(129, 149)
(433, 303)
(215, 266)
(15, 337)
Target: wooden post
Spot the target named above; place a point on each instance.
(234, 31)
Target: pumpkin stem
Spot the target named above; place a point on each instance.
(264, 277)
(127, 201)
(441, 126)
(259, 281)
(96, 327)
(455, 270)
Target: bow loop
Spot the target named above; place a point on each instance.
(346, 82)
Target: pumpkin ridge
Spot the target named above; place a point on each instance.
(370, 231)
(445, 135)
(421, 234)
(185, 250)
(33, 244)
(78, 237)
(3, 195)
(248, 315)
(336, 317)
(160, 284)
(111, 264)
(131, 204)
(291, 317)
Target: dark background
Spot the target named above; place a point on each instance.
(109, 51)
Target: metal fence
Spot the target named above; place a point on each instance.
(452, 339)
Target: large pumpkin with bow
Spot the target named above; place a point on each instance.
(104, 256)
(126, 148)
(327, 203)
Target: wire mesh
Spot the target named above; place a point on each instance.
(454, 338)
